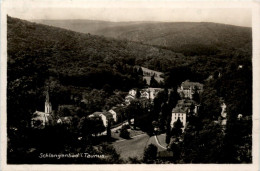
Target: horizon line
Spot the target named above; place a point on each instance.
(136, 21)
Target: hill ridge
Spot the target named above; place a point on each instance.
(176, 36)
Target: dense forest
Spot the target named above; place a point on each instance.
(100, 70)
(189, 38)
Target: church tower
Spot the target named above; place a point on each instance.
(48, 107)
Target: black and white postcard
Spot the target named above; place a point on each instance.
(124, 85)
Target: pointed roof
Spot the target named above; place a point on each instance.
(47, 96)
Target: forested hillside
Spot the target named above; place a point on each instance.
(65, 51)
(185, 37)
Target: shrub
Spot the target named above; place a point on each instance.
(150, 153)
(124, 132)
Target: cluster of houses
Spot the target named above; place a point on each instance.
(113, 116)
(186, 106)
(40, 119)
(148, 93)
(182, 111)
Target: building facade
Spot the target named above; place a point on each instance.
(178, 113)
(105, 117)
(187, 89)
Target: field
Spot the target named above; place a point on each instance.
(135, 147)
(161, 139)
(132, 147)
(148, 73)
(133, 133)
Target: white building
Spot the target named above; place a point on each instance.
(132, 92)
(179, 113)
(223, 118)
(150, 93)
(114, 114)
(65, 120)
(105, 117)
(223, 111)
(187, 89)
(128, 99)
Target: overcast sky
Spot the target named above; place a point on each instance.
(233, 16)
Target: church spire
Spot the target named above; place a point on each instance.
(48, 107)
(47, 97)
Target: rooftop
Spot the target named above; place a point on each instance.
(40, 115)
(96, 113)
(185, 103)
(187, 84)
(179, 110)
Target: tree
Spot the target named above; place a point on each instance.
(65, 112)
(134, 160)
(140, 71)
(175, 148)
(138, 94)
(210, 104)
(174, 97)
(195, 95)
(176, 130)
(163, 116)
(124, 132)
(200, 135)
(192, 107)
(167, 138)
(109, 130)
(153, 82)
(94, 100)
(112, 157)
(150, 154)
(144, 82)
(89, 126)
(108, 89)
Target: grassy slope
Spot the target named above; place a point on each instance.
(133, 147)
(161, 139)
(148, 78)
